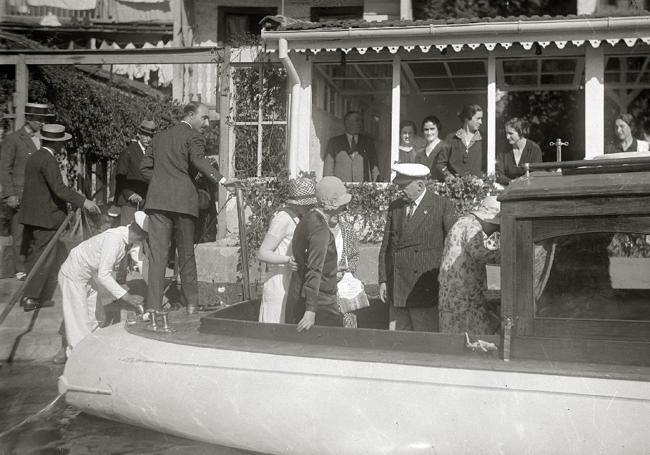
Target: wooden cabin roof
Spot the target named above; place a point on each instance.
(553, 185)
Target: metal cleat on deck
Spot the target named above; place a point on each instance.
(159, 321)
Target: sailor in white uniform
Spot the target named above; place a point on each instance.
(89, 268)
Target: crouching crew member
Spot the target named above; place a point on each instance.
(89, 267)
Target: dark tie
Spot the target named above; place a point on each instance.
(411, 210)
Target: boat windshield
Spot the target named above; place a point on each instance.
(593, 276)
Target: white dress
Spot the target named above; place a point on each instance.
(274, 294)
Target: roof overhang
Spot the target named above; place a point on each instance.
(473, 35)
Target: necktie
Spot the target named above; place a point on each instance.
(411, 210)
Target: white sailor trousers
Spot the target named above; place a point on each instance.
(79, 297)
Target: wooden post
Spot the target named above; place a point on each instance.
(225, 152)
(303, 160)
(21, 93)
(491, 113)
(243, 242)
(594, 101)
(395, 114)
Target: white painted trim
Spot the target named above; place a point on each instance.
(491, 113)
(395, 111)
(594, 102)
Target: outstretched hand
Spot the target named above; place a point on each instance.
(307, 321)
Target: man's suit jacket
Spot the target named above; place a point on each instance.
(45, 196)
(170, 165)
(337, 160)
(411, 250)
(128, 177)
(15, 150)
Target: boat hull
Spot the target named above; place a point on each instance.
(281, 404)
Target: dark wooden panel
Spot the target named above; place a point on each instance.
(553, 185)
(593, 328)
(588, 206)
(438, 343)
(549, 228)
(576, 350)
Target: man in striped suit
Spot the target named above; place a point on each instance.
(411, 250)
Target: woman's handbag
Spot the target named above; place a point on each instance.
(351, 294)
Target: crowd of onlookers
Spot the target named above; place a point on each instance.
(432, 261)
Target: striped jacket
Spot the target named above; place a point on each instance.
(411, 250)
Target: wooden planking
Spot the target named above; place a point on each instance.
(114, 57)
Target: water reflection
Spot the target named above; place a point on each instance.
(27, 388)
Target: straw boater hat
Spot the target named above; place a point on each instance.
(331, 193)
(54, 133)
(489, 210)
(142, 220)
(405, 173)
(302, 192)
(38, 110)
(147, 127)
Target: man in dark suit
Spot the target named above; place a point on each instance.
(351, 156)
(172, 201)
(411, 250)
(131, 186)
(42, 210)
(15, 150)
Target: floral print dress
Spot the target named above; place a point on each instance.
(463, 279)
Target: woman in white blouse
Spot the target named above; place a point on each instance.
(276, 249)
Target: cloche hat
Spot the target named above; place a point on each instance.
(331, 193)
(489, 210)
(302, 192)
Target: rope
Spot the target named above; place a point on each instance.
(32, 417)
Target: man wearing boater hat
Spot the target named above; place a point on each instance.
(15, 149)
(411, 250)
(131, 184)
(42, 210)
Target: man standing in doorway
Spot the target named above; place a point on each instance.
(172, 201)
(15, 150)
(351, 156)
(411, 251)
(131, 184)
(42, 210)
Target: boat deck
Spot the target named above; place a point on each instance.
(368, 345)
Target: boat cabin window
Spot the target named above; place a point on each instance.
(597, 276)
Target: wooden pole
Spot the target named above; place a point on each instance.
(35, 269)
(243, 242)
(224, 138)
(21, 93)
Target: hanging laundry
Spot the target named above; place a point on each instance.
(122, 70)
(65, 4)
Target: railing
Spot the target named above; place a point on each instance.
(104, 11)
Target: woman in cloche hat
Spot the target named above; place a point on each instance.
(468, 248)
(276, 251)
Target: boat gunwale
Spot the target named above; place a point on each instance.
(187, 334)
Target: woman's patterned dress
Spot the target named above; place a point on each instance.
(462, 304)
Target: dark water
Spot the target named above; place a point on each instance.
(27, 388)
